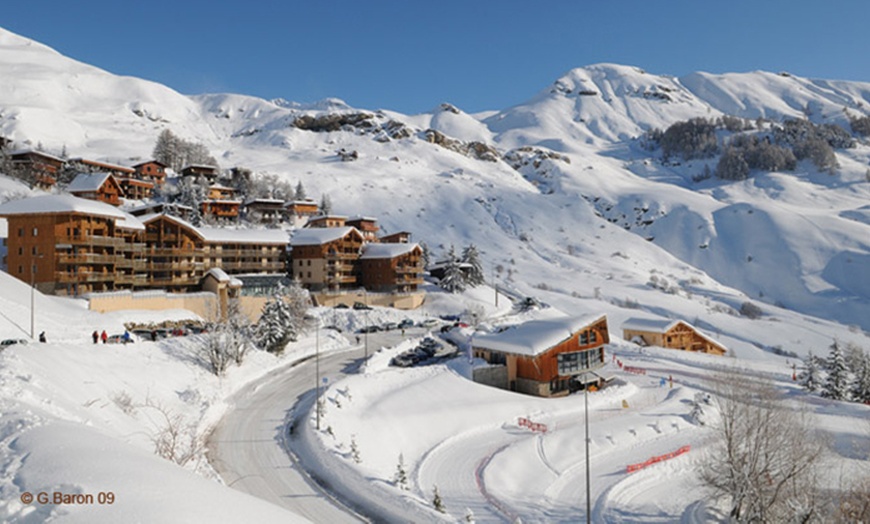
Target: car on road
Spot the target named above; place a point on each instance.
(389, 326)
(430, 322)
(360, 306)
(119, 339)
(340, 306)
(11, 342)
(405, 324)
(369, 329)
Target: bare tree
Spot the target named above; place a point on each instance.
(174, 440)
(765, 458)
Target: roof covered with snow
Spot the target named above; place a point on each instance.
(60, 204)
(652, 325)
(387, 250)
(535, 336)
(87, 182)
(319, 235)
(227, 235)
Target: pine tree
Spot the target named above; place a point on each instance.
(861, 384)
(282, 319)
(325, 204)
(811, 375)
(837, 384)
(474, 277)
(436, 500)
(401, 476)
(453, 280)
(427, 255)
(300, 193)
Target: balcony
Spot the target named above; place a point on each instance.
(81, 277)
(92, 241)
(88, 259)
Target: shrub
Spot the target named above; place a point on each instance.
(694, 138)
(732, 165)
(750, 310)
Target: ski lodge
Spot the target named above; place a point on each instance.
(673, 334)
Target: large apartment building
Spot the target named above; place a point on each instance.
(72, 246)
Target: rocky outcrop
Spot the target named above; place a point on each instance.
(477, 150)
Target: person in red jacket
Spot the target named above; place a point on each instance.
(104, 336)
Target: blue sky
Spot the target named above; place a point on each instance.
(410, 56)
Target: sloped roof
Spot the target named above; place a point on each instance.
(320, 235)
(48, 204)
(227, 235)
(84, 182)
(652, 325)
(535, 336)
(387, 250)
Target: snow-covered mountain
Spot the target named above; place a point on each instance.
(556, 191)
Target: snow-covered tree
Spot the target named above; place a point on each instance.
(325, 204)
(300, 193)
(354, 450)
(282, 319)
(437, 502)
(177, 153)
(427, 255)
(837, 385)
(811, 377)
(453, 279)
(861, 384)
(401, 476)
(474, 276)
(192, 193)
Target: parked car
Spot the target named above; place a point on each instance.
(118, 339)
(340, 306)
(193, 329)
(369, 329)
(430, 322)
(360, 305)
(389, 326)
(450, 318)
(405, 324)
(11, 342)
(333, 327)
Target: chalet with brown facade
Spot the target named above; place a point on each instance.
(399, 237)
(151, 171)
(71, 246)
(208, 172)
(136, 189)
(170, 208)
(327, 221)
(326, 259)
(41, 169)
(367, 226)
(102, 187)
(546, 358)
(264, 210)
(674, 334)
(391, 268)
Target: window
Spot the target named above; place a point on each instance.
(21, 231)
(35, 231)
(20, 269)
(33, 250)
(20, 250)
(584, 338)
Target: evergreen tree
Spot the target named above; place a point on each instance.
(811, 375)
(837, 384)
(861, 385)
(436, 500)
(453, 280)
(300, 193)
(192, 193)
(325, 204)
(401, 476)
(427, 255)
(474, 277)
(282, 319)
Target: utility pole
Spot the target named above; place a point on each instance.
(586, 411)
(317, 372)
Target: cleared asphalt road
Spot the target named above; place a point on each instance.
(247, 447)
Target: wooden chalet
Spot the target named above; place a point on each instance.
(546, 358)
(153, 171)
(366, 225)
(208, 172)
(264, 210)
(136, 189)
(221, 209)
(399, 237)
(674, 334)
(102, 187)
(220, 192)
(326, 258)
(84, 165)
(391, 268)
(41, 169)
(70, 246)
(179, 254)
(170, 208)
(322, 221)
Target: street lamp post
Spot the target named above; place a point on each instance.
(317, 371)
(586, 416)
(368, 323)
(33, 259)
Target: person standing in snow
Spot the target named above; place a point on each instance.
(96, 336)
(42, 337)
(104, 336)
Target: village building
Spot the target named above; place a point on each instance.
(326, 259)
(674, 334)
(179, 254)
(71, 246)
(391, 268)
(220, 203)
(155, 208)
(136, 189)
(210, 173)
(102, 187)
(84, 165)
(546, 358)
(152, 171)
(399, 237)
(366, 225)
(36, 167)
(264, 210)
(327, 221)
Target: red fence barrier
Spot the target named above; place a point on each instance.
(634, 467)
(534, 426)
(636, 371)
